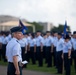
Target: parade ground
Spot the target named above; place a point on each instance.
(3, 71)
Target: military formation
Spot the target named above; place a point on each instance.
(55, 48)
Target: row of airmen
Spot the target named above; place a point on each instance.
(5, 37)
(45, 46)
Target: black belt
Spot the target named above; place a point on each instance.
(38, 46)
(4, 44)
(59, 51)
(10, 62)
(65, 53)
(48, 46)
(31, 47)
(19, 63)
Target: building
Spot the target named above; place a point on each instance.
(7, 22)
(46, 26)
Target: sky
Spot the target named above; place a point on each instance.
(53, 11)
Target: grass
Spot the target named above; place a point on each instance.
(3, 63)
(41, 69)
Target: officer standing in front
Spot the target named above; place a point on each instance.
(13, 52)
(67, 46)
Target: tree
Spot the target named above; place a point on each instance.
(30, 29)
(37, 26)
(60, 28)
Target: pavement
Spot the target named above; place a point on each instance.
(3, 71)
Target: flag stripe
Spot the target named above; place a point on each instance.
(22, 25)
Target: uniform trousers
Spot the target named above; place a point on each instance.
(44, 51)
(32, 55)
(48, 56)
(59, 61)
(0, 53)
(72, 57)
(28, 56)
(39, 56)
(54, 59)
(4, 52)
(24, 56)
(23, 53)
(67, 65)
(11, 69)
(74, 53)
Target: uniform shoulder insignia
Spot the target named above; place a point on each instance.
(17, 41)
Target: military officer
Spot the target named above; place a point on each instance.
(32, 45)
(13, 52)
(74, 47)
(59, 48)
(44, 46)
(55, 39)
(49, 49)
(67, 46)
(39, 49)
(23, 43)
(28, 50)
(4, 43)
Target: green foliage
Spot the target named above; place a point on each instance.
(37, 26)
(30, 29)
(60, 28)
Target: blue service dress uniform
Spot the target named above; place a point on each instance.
(32, 45)
(39, 55)
(59, 61)
(49, 43)
(13, 52)
(4, 43)
(55, 39)
(13, 48)
(28, 51)
(23, 44)
(67, 66)
(44, 48)
(74, 51)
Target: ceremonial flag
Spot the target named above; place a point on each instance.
(65, 28)
(22, 25)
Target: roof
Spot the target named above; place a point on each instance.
(14, 23)
(6, 18)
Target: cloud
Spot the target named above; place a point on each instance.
(56, 11)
